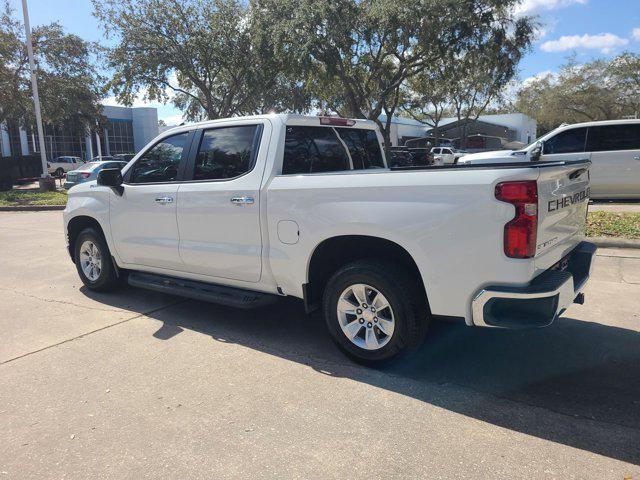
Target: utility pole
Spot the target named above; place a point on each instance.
(34, 86)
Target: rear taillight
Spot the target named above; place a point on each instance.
(85, 174)
(520, 234)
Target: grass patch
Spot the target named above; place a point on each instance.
(14, 198)
(612, 224)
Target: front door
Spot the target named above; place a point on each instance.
(219, 204)
(143, 218)
(567, 145)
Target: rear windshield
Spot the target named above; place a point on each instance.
(328, 149)
(89, 166)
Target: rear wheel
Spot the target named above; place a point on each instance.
(59, 172)
(374, 311)
(93, 261)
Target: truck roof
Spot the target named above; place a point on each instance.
(285, 118)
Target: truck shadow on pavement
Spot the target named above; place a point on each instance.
(576, 383)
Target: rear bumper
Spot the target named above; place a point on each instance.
(540, 302)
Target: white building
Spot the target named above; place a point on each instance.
(515, 127)
(126, 130)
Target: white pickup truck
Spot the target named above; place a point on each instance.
(240, 211)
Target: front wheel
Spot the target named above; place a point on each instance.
(374, 311)
(93, 261)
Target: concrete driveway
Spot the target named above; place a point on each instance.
(140, 385)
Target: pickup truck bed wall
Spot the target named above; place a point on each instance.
(449, 221)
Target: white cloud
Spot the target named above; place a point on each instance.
(605, 42)
(173, 120)
(528, 7)
(537, 77)
(636, 34)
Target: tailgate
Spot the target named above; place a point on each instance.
(563, 198)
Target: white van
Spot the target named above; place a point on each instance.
(613, 146)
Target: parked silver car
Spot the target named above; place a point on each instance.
(89, 171)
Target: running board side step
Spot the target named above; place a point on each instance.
(208, 292)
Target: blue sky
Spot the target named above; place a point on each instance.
(590, 28)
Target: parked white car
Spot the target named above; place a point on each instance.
(612, 146)
(449, 155)
(241, 211)
(61, 165)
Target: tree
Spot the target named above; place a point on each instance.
(69, 84)
(427, 96)
(203, 55)
(466, 83)
(357, 54)
(598, 90)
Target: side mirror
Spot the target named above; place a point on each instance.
(536, 152)
(111, 177)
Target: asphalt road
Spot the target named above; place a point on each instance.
(139, 385)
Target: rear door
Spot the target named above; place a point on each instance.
(616, 160)
(219, 205)
(563, 198)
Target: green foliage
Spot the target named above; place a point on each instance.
(204, 55)
(356, 55)
(68, 81)
(598, 90)
(613, 224)
(14, 198)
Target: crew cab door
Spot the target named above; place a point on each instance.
(219, 203)
(143, 218)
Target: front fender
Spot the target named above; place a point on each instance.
(91, 201)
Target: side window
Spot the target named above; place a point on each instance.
(446, 150)
(160, 163)
(436, 150)
(567, 141)
(225, 152)
(313, 150)
(614, 137)
(364, 148)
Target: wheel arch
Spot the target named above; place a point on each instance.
(78, 224)
(334, 252)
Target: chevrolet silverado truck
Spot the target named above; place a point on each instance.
(242, 211)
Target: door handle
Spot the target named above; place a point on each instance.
(242, 200)
(164, 200)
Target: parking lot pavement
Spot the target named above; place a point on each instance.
(138, 385)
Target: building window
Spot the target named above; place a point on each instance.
(120, 133)
(59, 140)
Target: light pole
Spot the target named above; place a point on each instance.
(34, 86)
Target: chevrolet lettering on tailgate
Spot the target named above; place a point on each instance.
(578, 197)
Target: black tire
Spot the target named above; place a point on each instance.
(59, 173)
(107, 280)
(407, 300)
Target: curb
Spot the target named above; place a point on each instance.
(32, 208)
(611, 242)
